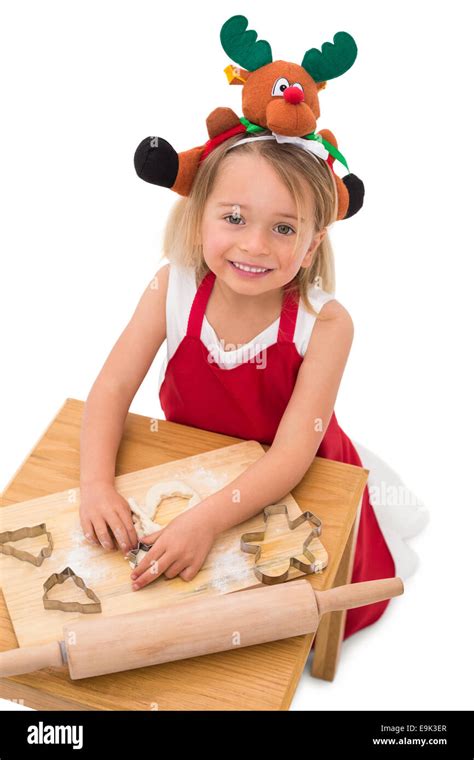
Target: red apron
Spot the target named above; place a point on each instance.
(248, 402)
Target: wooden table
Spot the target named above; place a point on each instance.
(262, 677)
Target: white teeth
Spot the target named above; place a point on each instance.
(249, 269)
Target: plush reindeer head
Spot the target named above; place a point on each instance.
(279, 95)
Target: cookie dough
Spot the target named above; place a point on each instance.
(143, 515)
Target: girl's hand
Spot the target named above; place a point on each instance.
(105, 516)
(178, 549)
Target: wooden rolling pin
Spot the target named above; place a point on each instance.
(196, 627)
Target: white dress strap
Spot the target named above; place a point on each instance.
(305, 320)
(179, 299)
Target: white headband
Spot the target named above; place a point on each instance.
(313, 146)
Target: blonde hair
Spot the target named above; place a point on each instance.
(294, 166)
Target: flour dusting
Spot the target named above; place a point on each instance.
(83, 558)
(228, 569)
(213, 482)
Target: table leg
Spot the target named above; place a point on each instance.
(327, 648)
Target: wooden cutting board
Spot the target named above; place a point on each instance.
(226, 569)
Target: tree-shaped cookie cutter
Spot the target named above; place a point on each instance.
(56, 604)
(282, 509)
(28, 532)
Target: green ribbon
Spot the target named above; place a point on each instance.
(331, 149)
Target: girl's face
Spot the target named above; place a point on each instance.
(250, 220)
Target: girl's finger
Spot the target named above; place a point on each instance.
(151, 574)
(175, 568)
(119, 532)
(188, 573)
(89, 531)
(151, 538)
(153, 558)
(129, 536)
(126, 517)
(102, 533)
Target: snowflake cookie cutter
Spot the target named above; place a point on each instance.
(282, 509)
(27, 532)
(56, 604)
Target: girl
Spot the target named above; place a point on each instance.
(256, 345)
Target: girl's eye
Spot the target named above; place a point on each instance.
(287, 227)
(236, 218)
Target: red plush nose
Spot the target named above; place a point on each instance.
(293, 95)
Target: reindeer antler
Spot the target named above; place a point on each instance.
(332, 60)
(241, 45)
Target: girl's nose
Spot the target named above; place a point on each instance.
(255, 242)
(293, 95)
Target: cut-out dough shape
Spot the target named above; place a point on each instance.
(143, 515)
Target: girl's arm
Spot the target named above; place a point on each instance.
(300, 431)
(108, 402)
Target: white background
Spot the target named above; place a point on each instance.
(84, 82)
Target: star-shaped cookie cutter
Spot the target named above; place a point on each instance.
(28, 532)
(282, 509)
(56, 604)
(133, 553)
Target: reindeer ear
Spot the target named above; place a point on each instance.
(236, 75)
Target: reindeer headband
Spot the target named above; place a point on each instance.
(276, 95)
(311, 146)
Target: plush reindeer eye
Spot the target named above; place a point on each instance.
(297, 84)
(280, 86)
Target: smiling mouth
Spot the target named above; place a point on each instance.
(249, 268)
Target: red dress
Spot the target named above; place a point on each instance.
(248, 402)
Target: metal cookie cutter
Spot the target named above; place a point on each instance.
(17, 535)
(133, 553)
(55, 604)
(282, 509)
